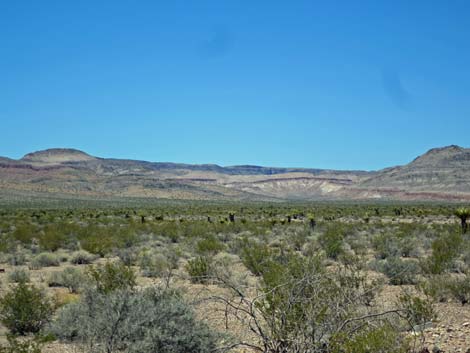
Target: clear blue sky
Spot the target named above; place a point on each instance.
(328, 84)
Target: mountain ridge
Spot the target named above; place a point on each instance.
(441, 173)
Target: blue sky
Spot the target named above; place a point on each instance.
(327, 84)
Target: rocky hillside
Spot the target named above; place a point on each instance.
(440, 170)
(440, 174)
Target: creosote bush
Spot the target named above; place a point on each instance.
(44, 260)
(305, 308)
(209, 245)
(25, 309)
(255, 256)
(332, 241)
(111, 276)
(445, 249)
(419, 310)
(199, 269)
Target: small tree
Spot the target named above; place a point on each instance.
(463, 213)
(25, 309)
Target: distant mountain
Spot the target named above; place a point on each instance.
(443, 170)
(57, 155)
(439, 174)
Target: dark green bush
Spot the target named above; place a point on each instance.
(25, 309)
(255, 256)
(25, 233)
(199, 269)
(445, 250)
(97, 244)
(331, 241)
(210, 245)
(52, 239)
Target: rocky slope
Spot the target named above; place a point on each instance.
(439, 174)
(440, 170)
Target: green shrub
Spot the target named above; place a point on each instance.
(418, 311)
(299, 238)
(199, 269)
(332, 242)
(399, 272)
(96, 244)
(445, 250)
(305, 305)
(70, 278)
(154, 265)
(18, 258)
(24, 233)
(386, 245)
(82, 258)
(44, 260)
(145, 321)
(382, 339)
(210, 245)
(255, 256)
(25, 309)
(460, 289)
(111, 276)
(52, 239)
(21, 346)
(18, 275)
(127, 256)
(437, 287)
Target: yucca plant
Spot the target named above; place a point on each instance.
(463, 213)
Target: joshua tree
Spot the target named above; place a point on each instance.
(463, 213)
